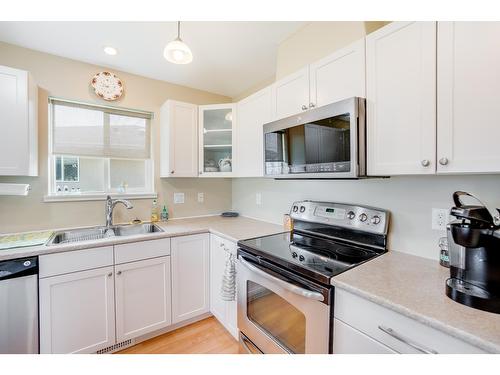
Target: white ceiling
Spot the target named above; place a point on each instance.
(229, 57)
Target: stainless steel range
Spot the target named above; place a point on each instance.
(285, 296)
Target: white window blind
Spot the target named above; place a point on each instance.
(99, 131)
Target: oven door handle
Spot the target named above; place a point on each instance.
(290, 287)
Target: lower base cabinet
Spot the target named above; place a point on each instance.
(190, 276)
(143, 297)
(77, 311)
(224, 311)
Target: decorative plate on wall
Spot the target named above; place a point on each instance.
(107, 86)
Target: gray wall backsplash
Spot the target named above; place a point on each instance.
(410, 200)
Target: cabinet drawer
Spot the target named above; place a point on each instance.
(398, 332)
(347, 340)
(130, 252)
(74, 261)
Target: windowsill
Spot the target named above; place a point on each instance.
(96, 197)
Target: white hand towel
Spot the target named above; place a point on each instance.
(228, 286)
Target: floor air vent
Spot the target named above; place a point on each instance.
(112, 348)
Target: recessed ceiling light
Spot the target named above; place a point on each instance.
(110, 51)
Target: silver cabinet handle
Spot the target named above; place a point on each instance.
(304, 107)
(312, 105)
(290, 287)
(425, 163)
(119, 273)
(110, 274)
(407, 341)
(443, 161)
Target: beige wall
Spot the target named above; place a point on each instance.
(317, 40)
(69, 79)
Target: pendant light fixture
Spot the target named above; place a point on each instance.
(177, 51)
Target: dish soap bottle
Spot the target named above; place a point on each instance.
(164, 213)
(154, 211)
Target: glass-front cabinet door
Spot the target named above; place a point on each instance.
(217, 135)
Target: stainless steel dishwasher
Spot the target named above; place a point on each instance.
(19, 306)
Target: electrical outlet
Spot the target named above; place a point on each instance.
(201, 197)
(258, 199)
(178, 198)
(440, 217)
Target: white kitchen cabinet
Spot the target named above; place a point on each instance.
(217, 136)
(224, 311)
(190, 276)
(338, 76)
(468, 78)
(143, 297)
(389, 329)
(77, 311)
(18, 123)
(290, 95)
(179, 139)
(401, 99)
(253, 112)
(347, 340)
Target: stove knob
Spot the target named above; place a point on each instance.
(301, 258)
(375, 219)
(363, 217)
(295, 208)
(351, 215)
(302, 208)
(294, 255)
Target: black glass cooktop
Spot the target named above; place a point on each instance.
(313, 257)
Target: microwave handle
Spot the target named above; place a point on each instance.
(290, 287)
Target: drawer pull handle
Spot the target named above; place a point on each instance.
(407, 341)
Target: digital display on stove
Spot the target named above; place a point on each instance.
(330, 210)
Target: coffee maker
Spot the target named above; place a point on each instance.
(474, 245)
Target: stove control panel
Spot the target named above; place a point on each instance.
(365, 218)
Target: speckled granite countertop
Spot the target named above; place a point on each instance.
(415, 287)
(233, 229)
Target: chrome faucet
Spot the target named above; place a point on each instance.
(110, 205)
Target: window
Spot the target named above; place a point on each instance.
(98, 150)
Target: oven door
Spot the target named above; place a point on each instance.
(279, 315)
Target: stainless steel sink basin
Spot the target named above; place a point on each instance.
(133, 229)
(98, 233)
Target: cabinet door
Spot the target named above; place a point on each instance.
(18, 143)
(291, 94)
(77, 313)
(217, 264)
(216, 138)
(339, 76)
(179, 139)
(143, 297)
(468, 110)
(401, 96)
(253, 113)
(190, 276)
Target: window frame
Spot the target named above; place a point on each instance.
(53, 196)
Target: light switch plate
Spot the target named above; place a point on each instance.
(201, 197)
(178, 198)
(258, 199)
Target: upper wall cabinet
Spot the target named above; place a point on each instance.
(216, 140)
(18, 123)
(338, 76)
(179, 139)
(468, 98)
(253, 112)
(401, 97)
(291, 94)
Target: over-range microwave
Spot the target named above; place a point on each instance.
(327, 142)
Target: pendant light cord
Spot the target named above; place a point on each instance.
(178, 29)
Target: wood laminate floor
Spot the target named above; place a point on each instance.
(207, 336)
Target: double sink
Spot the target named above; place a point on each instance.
(98, 233)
